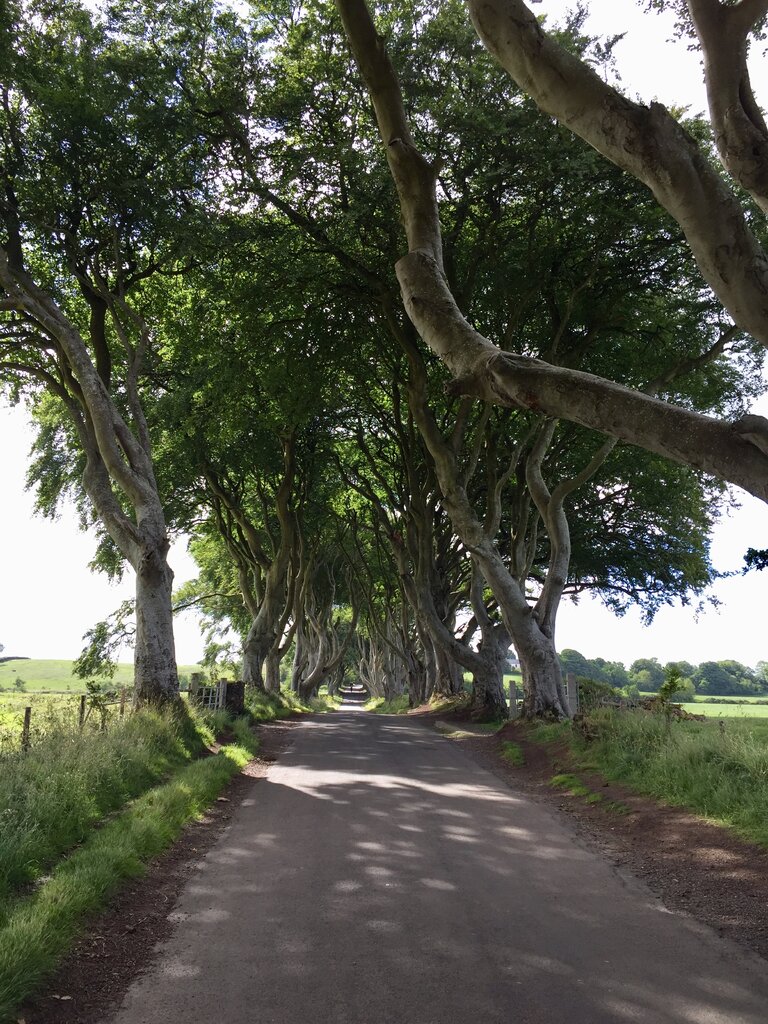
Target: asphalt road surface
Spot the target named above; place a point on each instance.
(379, 875)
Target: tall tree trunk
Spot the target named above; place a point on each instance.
(272, 681)
(253, 665)
(489, 702)
(300, 656)
(449, 677)
(156, 676)
(543, 690)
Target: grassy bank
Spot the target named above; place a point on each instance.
(52, 795)
(37, 930)
(140, 782)
(400, 706)
(396, 706)
(719, 770)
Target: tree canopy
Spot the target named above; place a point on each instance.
(409, 457)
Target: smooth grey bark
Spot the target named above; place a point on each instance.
(740, 130)
(425, 682)
(449, 679)
(489, 701)
(272, 676)
(300, 653)
(156, 676)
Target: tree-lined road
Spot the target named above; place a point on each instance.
(379, 875)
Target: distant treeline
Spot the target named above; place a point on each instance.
(723, 678)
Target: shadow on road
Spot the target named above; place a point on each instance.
(380, 875)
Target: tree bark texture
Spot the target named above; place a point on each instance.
(118, 461)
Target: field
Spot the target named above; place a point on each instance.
(40, 675)
(52, 692)
(715, 709)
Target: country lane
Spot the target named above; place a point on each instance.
(379, 875)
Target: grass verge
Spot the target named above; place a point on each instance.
(721, 773)
(512, 753)
(52, 795)
(266, 707)
(717, 770)
(396, 706)
(36, 931)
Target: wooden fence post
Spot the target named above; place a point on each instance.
(221, 696)
(572, 691)
(81, 717)
(122, 703)
(26, 728)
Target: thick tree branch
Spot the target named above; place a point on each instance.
(503, 378)
(741, 134)
(647, 142)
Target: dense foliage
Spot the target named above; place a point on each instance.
(201, 311)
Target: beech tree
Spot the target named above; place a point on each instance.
(490, 507)
(307, 166)
(96, 184)
(533, 634)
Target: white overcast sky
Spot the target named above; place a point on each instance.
(48, 598)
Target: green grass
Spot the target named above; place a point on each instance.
(548, 732)
(571, 784)
(52, 796)
(50, 674)
(140, 781)
(266, 707)
(512, 753)
(35, 932)
(718, 771)
(715, 709)
(380, 706)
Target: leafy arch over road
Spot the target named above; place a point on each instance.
(277, 350)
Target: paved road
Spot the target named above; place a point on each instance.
(378, 875)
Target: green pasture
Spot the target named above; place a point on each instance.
(40, 674)
(713, 709)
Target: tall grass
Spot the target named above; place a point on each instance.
(52, 795)
(35, 932)
(718, 771)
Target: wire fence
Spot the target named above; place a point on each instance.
(22, 725)
(26, 719)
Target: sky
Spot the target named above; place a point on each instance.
(49, 598)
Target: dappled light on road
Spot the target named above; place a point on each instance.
(379, 875)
